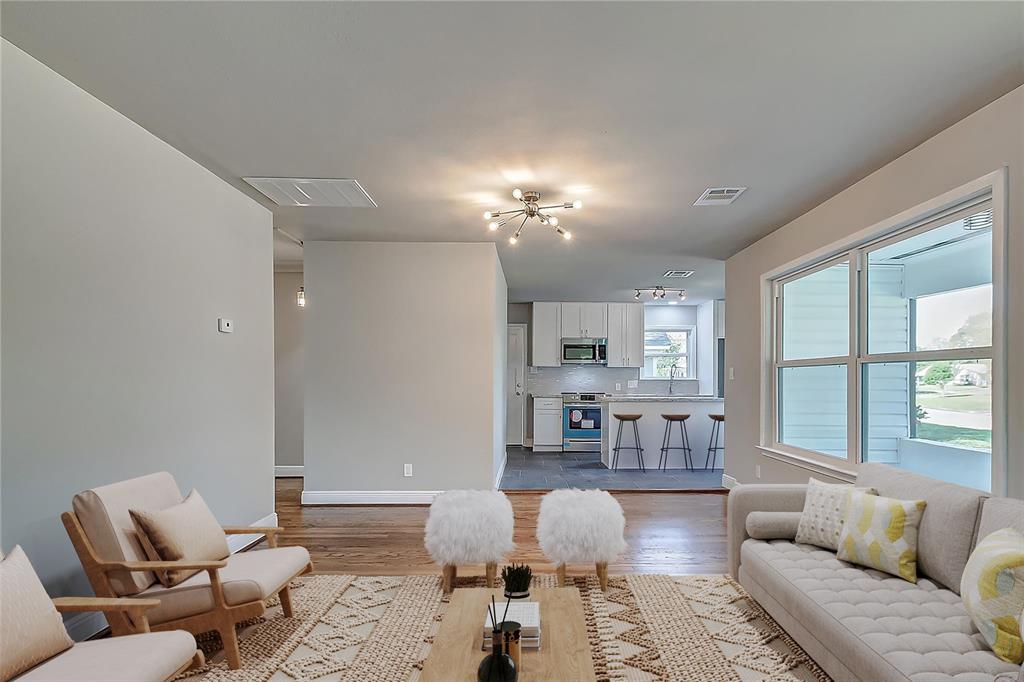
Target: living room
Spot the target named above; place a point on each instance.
(359, 384)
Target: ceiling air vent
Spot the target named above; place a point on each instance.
(719, 196)
(678, 273)
(313, 192)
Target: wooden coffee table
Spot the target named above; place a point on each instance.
(564, 653)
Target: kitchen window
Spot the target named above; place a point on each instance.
(885, 353)
(666, 348)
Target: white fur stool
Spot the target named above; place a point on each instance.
(469, 527)
(581, 527)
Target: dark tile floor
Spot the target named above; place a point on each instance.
(527, 470)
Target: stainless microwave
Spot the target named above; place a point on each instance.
(584, 351)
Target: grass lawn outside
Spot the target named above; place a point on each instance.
(956, 399)
(955, 435)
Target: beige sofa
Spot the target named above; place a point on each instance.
(864, 625)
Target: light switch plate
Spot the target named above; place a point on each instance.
(618, 386)
(632, 383)
(732, 373)
(408, 470)
(225, 325)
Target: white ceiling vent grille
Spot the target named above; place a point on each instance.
(313, 192)
(678, 273)
(719, 196)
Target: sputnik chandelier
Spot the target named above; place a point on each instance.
(530, 209)
(660, 292)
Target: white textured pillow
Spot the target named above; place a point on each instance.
(824, 510)
(31, 630)
(185, 531)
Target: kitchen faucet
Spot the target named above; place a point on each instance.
(671, 379)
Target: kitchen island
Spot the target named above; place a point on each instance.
(652, 428)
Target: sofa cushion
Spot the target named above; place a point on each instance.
(765, 525)
(103, 513)
(153, 657)
(248, 576)
(880, 627)
(1001, 512)
(881, 532)
(947, 531)
(993, 592)
(183, 531)
(31, 630)
(824, 513)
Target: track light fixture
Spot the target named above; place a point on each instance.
(530, 209)
(659, 293)
(300, 297)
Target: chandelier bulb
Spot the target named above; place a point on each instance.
(512, 240)
(488, 215)
(517, 193)
(577, 204)
(492, 226)
(552, 220)
(566, 235)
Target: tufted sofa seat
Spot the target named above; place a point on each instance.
(864, 625)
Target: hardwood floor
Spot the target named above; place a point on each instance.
(667, 532)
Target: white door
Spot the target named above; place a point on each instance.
(515, 386)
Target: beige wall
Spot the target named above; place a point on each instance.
(402, 349)
(980, 144)
(288, 370)
(119, 255)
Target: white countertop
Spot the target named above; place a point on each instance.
(661, 399)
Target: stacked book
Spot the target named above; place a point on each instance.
(527, 614)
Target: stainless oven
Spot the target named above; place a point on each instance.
(581, 422)
(584, 351)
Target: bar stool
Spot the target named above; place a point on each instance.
(666, 441)
(633, 418)
(713, 447)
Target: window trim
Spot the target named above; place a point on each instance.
(991, 188)
(690, 354)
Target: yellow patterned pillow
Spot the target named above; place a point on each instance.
(993, 592)
(881, 532)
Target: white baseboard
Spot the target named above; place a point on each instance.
(501, 472)
(82, 626)
(315, 497)
(728, 481)
(287, 471)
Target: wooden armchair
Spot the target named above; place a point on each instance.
(220, 595)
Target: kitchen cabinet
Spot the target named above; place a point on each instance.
(625, 335)
(547, 424)
(584, 320)
(546, 344)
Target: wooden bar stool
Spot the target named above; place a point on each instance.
(666, 441)
(713, 447)
(632, 418)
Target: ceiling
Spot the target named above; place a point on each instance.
(440, 109)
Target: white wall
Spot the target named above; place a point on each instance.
(402, 344)
(986, 141)
(500, 317)
(289, 381)
(119, 254)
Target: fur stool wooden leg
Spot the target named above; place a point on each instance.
(602, 575)
(492, 572)
(448, 578)
(560, 573)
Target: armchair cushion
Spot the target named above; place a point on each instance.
(248, 576)
(153, 657)
(103, 513)
(31, 630)
(184, 531)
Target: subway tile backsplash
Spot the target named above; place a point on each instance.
(591, 379)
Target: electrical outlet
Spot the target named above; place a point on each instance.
(408, 470)
(732, 373)
(618, 386)
(757, 471)
(632, 383)
(224, 325)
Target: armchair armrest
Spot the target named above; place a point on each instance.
(135, 608)
(270, 531)
(162, 565)
(744, 499)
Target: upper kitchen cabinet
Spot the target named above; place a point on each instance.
(625, 335)
(547, 334)
(584, 320)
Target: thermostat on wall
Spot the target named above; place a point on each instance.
(225, 325)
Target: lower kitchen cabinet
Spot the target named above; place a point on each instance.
(547, 424)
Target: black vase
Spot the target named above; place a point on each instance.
(497, 666)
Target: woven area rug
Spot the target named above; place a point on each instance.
(645, 627)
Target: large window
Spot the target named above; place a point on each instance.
(668, 350)
(885, 353)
